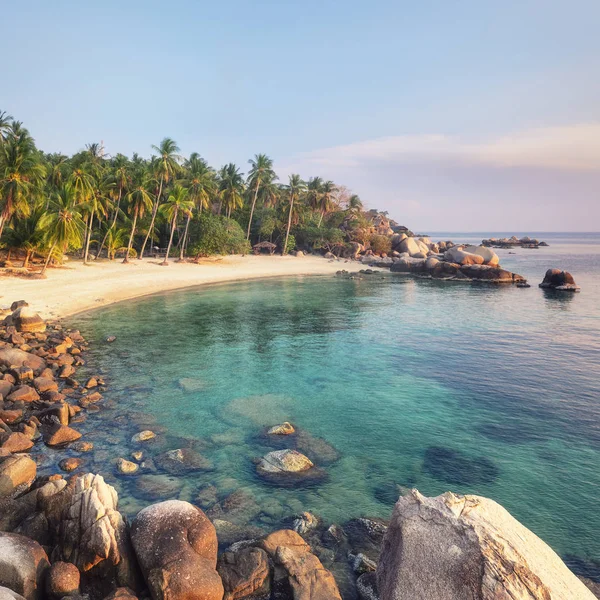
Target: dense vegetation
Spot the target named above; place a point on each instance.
(115, 206)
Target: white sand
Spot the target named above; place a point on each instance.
(76, 287)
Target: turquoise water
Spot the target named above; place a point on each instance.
(415, 383)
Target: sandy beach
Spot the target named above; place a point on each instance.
(76, 287)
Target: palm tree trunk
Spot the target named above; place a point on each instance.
(287, 233)
(252, 209)
(2, 221)
(166, 261)
(185, 234)
(126, 259)
(9, 252)
(27, 257)
(89, 237)
(48, 257)
(114, 220)
(154, 211)
(321, 218)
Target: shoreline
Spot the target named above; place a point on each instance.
(76, 288)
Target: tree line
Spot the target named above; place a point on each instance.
(101, 205)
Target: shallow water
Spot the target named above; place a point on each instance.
(473, 388)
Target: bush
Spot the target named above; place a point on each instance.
(291, 244)
(214, 234)
(380, 244)
(319, 238)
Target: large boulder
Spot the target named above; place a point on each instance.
(176, 546)
(16, 475)
(245, 573)
(27, 320)
(408, 265)
(556, 279)
(460, 256)
(13, 357)
(23, 565)
(409, 245)
(488, 255)
(284, 461)
(467, 547)
(491, 274)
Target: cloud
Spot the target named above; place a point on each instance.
(566, 148)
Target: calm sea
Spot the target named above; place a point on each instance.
(399, 383)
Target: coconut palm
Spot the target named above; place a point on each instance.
(21, 174)
(295, 188)
(96, 206)
(62, 224)
(200, 181)
(26, 234)
(166, 167)
(314, 189)
(115, 241)
(5, 125)
(139, 200)
(177, 203)
(231, 188)
(261, 173)
(328, 189)
(56, 168)
(355, 204)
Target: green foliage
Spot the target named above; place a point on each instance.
(319, 238)
(217, 235)
(291, 243)
(380, 244)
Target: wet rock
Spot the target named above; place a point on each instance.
(282, 462)
(16, 475)
(63, 580)
(70, 464)
(60, 435)
(122, 593)
(490, 274)
(366, 586)
(81, 446)
(365, 535)
(555, 279)
(206, 496)
(158, 487)
(6, 594)
(23, 565)
(143, 436)
(361, 563)
(190, 384)
(23, 393)
(454, 466)
(305, 522)
(244, 574)
(181, 461)
(27, 320)
(283, 429)
(15, 442)
(240, 506)
(230, 533)
(453, 547)
(126, 467)
(11, 416)
(176, 546)
(317, 449)
(45, 384)
(88, 399)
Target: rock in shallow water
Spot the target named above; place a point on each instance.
(555, 279)
(453, 466)
(282, 462)
(457, 547)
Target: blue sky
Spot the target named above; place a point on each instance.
(449, 114)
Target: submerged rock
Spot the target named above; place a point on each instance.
(454, 547)
(143, 436)
(282, 462)
(283, 429)
(453, 466)
(182, 460)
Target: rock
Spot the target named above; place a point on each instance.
(191, 384)
(143, 436)
(230, 533)
(329, 255)
(28, 321)
(365, 536)
(408, 265)
(92, 532)
(284, 537)
(361, 563)
(489, 256)
(454, 466)
(284, 461)
(245, 573)
(6, 594)
(305, 522)
(5, 386)
(491, 274)
(410, 245)
(240, 507)
(461, 257)
(23, 393)
(366, 586)
(15, 442)
(92, 382)
(63, 580)
(176, 546)
(283, 429)
(45, 384)
(444, 270)
(88, 399)
(158, 487)
(11, 416)
(82, 446)
(23, 565)
(182, 460)
(316, 449)
(555, 279)
(18, 304)
(126, 467)
(60, 435)
(431, 263)
(299, 253)
(16, 475)
(206, 496)
(454, 547)
(110, 339)
(70, 464)
(122, 593)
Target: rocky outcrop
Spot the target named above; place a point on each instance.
(27, 320)
(488, 255)
(63, 580)
(467, 547)
(176, 546)
(16, 475)
(555, 279)
(245, 574)
(14, 357)
(23, 565)
(462, 257)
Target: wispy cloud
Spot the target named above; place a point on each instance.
(567, 148)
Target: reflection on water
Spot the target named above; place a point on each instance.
(392, 382)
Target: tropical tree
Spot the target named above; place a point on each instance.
(176, 204)
(231, 188)
(295, 188)
(355, 204)
(166, 167)
(63, 224)
(21, 174)
(328, 189)
(5, 125)
(139, 200)
(115, 241)
(26, 234)
(314, 190)
(261, 173)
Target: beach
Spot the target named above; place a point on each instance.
(76, 287)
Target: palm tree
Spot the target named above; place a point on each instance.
(314, 189)
(261, 173)
(140, 200)
(5, 125)
(355, 204)
(62, 224)
(167, 165)
(176, 204)
(26, 234)
(326, 201)
(95, 206)
(294, 189)
(231, 188)
(21, 174)
(115, 241)
(56, 165)
(200, 181)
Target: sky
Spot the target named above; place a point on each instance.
(450, 114)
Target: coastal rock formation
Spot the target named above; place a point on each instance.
(16, 475)
(283, 461)
(489, 256)
(26, 320)
(555, 279)
(462, 257)
(245, 574)
(23, 565)
(454, 547)
(176, 546)
(63, 580)
(14, 357)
